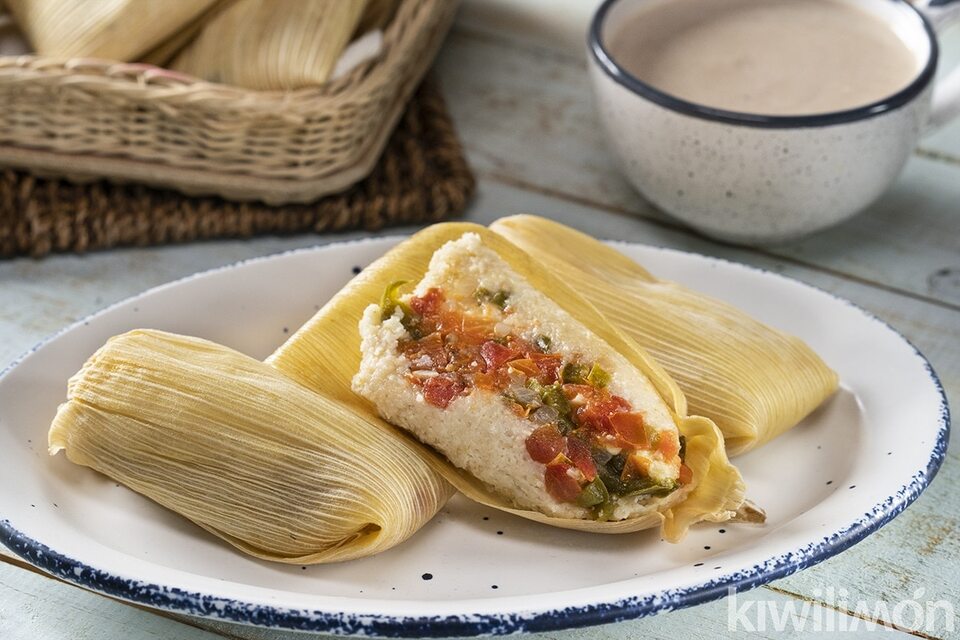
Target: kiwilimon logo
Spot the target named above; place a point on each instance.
(833, 611)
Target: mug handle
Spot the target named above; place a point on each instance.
(946, 94)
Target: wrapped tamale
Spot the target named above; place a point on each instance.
(276, 470)
(115, 30)
(753, 381)
(618, 417)
(274, 44)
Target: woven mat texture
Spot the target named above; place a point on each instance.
(422, 177)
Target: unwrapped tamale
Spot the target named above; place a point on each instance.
(325, 354)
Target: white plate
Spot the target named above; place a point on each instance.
(847, 470)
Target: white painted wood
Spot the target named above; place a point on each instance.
(559, 25)
(947, 139)
(527, 118)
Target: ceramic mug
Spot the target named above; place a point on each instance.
(751, 178)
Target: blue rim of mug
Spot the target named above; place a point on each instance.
(610, 66)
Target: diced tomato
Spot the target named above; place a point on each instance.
(545, 443)
(549, 365)
(491, 380)
(526, 366)
(636, 466)
(560, 483)
(629, 426)
(441, 390)
(574, 390)
(470, 331)
(520, 345)
(579, 453)
(597, 412)
(668, 444)
(428, 304)
(432, 346)
(686, 474)
(518, 410)
(496, 355)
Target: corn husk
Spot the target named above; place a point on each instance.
(272, 44)
(325, 354)
(278, 471)
(110, 29)
(753, 381)
(162, 54)
(377, 15)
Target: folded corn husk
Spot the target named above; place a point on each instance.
(325, 354)
(110, 29)
(278, 471)
(755, 382)
(273, 44)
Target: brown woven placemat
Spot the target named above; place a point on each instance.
(422, 176)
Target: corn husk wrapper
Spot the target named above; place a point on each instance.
(162, 54)
(377, 15)
(753, 381)
(109, 29)
(272, 44)
(325, 354)
(276, 470)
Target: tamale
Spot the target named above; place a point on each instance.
(109, 29)
(753, 381)
(278, 471)
(272, 44)
(325, 354)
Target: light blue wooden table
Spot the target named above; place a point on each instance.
(524, 111)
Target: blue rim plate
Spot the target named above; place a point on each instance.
(826, 485)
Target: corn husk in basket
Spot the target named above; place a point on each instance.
(272, 44)
(139, 123)
(109, 29)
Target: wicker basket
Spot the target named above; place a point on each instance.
(88, 119)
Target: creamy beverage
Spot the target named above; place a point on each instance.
(770, 57)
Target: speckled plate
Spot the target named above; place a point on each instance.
(826, 484)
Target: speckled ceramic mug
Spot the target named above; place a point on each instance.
(751, 178)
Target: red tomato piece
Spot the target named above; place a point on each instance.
(686, 474)
(428, 304)
(441, 390)
(579, 453)
(561, 484)
(526, 366)
(545, 443)
(668, 444)
(600, 408)
(636, 466)
(432, 346)
(573, 390)
(549, 366)
(496, 355)
(629, 426)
